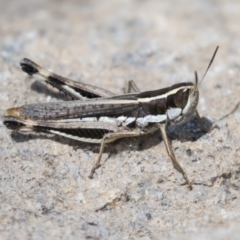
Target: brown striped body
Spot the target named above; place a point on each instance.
(99, 116)
(123, 112)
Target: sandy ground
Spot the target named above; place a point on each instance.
(136, 193)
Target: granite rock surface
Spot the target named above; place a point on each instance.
(45, 192)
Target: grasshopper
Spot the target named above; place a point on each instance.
(99, 116)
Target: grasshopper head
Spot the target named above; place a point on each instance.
(186, 100)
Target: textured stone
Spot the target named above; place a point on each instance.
(136, 193)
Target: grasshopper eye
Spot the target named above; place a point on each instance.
(181, 98)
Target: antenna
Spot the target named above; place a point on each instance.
(209, 65)
(196, 79)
